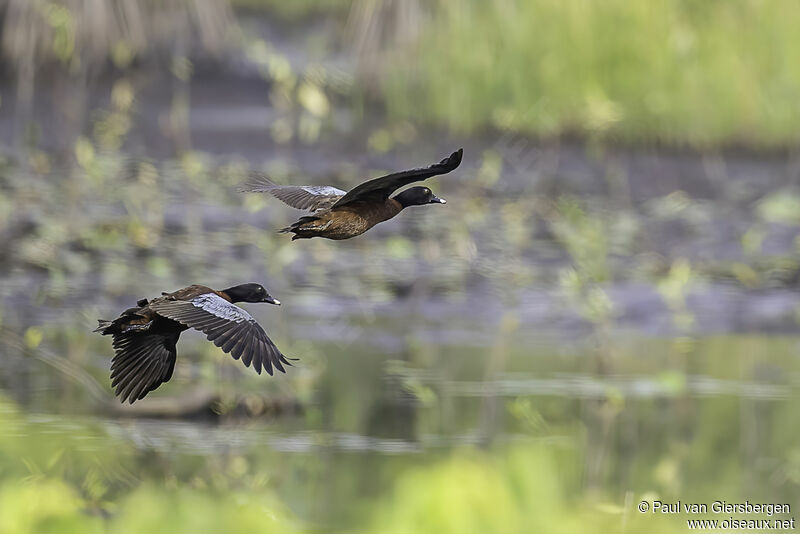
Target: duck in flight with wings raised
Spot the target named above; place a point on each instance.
(339, 214)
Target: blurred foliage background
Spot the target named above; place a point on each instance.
(605, 311)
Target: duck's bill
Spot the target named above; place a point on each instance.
(272, 300)
(437, 200)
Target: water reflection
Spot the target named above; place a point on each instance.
(651, 418)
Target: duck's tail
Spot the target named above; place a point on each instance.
(105, 327)
(128, 321)
(298, 233)
(299, 228)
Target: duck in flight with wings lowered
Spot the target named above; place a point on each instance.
(341, 215)
(144, 337)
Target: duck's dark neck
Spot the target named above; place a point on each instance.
(402, 201)
(235, 293)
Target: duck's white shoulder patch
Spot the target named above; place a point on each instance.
(213, 303)
(323, 190)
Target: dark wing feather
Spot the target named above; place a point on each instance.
(142, 362)
(302, 197)
(228, 326)
(379, 189)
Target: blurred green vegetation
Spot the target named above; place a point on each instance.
(669, 71)
(672, 71)
(522, 492)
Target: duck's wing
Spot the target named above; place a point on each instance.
(141, 363)
(228, 326)
(302, 197)
(379, 189)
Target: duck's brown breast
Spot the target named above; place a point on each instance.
(355, 219)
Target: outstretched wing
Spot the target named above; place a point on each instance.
(141, 363)
(230, 328)
(379, 189)
(302, 197)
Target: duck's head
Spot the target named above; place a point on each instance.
(250, 293)
(418, 196)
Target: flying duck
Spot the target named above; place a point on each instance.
(341, 215)
(144, 337)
